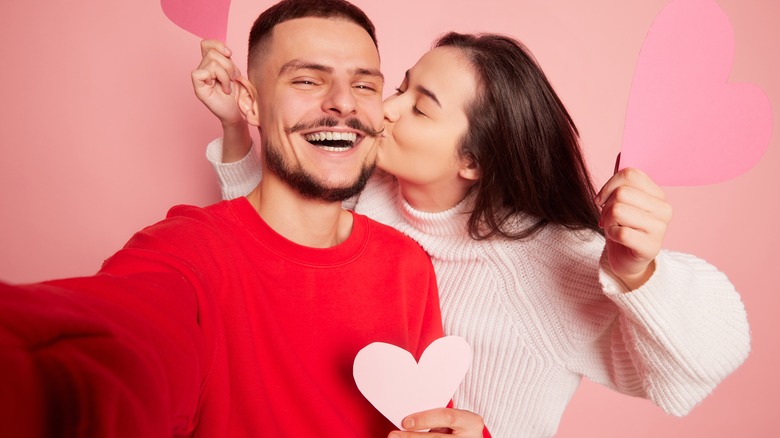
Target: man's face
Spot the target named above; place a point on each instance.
(320, 105)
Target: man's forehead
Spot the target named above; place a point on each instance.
(316, 39)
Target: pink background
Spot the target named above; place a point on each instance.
(101, 133)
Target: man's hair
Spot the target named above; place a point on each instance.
(286, 10)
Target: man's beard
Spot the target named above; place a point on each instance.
(307, 184)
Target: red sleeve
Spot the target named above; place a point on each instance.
(103, 356)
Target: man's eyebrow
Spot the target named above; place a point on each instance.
(422, 90)
(369, 72)
(297, 64)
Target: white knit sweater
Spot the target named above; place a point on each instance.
(542, 313)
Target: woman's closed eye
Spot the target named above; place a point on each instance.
(399, 91)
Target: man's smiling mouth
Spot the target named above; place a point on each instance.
(331, 140)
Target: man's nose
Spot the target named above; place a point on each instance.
(340, 100)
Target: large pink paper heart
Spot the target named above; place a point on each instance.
(685, 125)
(204, 18)
(397, 385)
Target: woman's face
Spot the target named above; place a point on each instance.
(425, 121)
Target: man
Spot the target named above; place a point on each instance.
(242, 318)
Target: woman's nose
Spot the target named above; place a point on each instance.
(391, 109)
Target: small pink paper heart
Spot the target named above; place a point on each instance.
(397, 385)
(207, 19)
(685, 125)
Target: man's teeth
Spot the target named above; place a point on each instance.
(329, 135)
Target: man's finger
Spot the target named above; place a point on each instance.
(464, 423)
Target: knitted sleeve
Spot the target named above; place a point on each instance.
(685, 330)
(671, 340)
(235, 179)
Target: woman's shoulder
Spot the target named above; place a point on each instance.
(553, 240)
(551, 258)
(378, 196)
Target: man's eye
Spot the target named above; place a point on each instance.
(365, 87)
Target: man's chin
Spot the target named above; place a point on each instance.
(311, 186)
(338, 192)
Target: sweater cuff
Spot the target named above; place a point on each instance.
(682, 290)
(238, 178)
(663, 287)
(688, 327)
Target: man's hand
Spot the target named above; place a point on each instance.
(441, 422)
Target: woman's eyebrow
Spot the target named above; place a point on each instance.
(422, 90)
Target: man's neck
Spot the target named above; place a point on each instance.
(307, 222)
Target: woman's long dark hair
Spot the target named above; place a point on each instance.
(523, 142)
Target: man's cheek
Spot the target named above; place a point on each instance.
(373, 108)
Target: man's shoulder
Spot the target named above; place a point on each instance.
(219, 215)
(186, 223)
(209, 213)
(386, 235)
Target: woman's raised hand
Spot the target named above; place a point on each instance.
(213, 82)
(634, 217)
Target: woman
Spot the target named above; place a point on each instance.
(548, 280)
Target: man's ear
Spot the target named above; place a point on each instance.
(247, 101)
(469, 169)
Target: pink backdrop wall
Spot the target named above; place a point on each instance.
(101, 134)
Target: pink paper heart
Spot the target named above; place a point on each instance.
(397, 385)
(207, 19)
(685, 125)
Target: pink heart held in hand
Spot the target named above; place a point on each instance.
(206, 19)
(397, 385)
(685, 125)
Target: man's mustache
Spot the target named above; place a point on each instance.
(329, 122)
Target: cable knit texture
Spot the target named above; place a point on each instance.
(235, 179)
(542, 313)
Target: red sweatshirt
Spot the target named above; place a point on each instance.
(211, 324)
